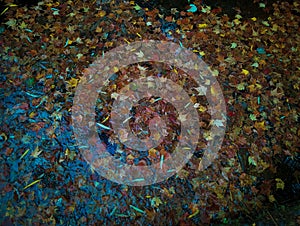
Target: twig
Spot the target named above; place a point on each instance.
(274, 221)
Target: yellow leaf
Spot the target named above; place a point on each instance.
(262, 62)
(102, 13)
(212, 90)
(116, 69)
(98, 29)
(32, 114)
(202, 108)
(251, 88)
(67, 152)
(260, 125)
(152, 152)
(202, 25)
(245, 72)
(72, 82)
(279, 184)
(264, 31)
(274, 27)
(253, 18)
(236, 21)
(272, 198)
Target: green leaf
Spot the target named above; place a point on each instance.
(193, 8)
(205, 9)
(241, 86)
(156, 201)
(265, 23)
(262, 5)
(23, 25)
(233, 45)
(251, 161)
(11, 22)
(137, 7)
(218, 123)
(252, 117)
(238, 16)
(255, 64)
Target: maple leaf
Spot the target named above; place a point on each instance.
(79, 55)
(156, 201)
(23, 25)
(279, 184)
(56, 12)
(241, 86)
(137, 7)
(36, 152)
(182, 118)
(233, 45)
(262, 5)
(72, 82)
(218, 123)
(193, 8)
(11, 23)
(140, 54)
(252, 161)
(71, 28)
(201, 90)
(252, 117)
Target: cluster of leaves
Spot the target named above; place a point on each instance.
(46, 47)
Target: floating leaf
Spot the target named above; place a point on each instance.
(36, 152)
(201, 26)
(206, 9)
(233, 45)
(260, 125)
(251, 161)
(193, 8)
(245, 72)
(262, 5)
(23, 25)
(272, 198)
(156, 201)
(252, 117)
(241, 86)
(266, 23)
(261, 51)
(279, 183)
(72, 82)
(218, 123)
(137, 7)
(11, 22)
